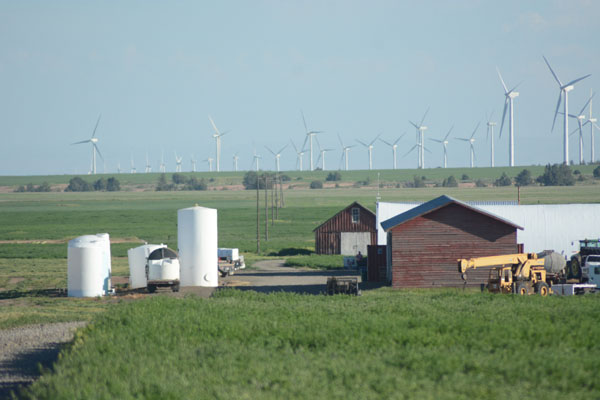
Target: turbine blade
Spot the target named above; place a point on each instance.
(270, 151)
(463, 139)
(295, 148)
(413, 124)
(424, 115)
(577, 80)
(98, 150)
(282, 149)
(502, 81)
(427, 150)
(304, 144)
(363, 143)
(553, 74)
(304, 122)
(448, 134)
(586, 104)
(340, 139)
(373, 141)
(96, 127)
(475, 130)
(411, 149)
(436, 140)
(213, 125)
(556, 111)
(386, 142)
(83, 141)
(503, 116)
(401, 136)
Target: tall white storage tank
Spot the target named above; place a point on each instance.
(197, 241)
(106, 263)
(137, 264)
(85, 267)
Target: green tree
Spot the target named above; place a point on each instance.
(556, 175)
(504, 180)
(524, 178)
(100, 184)
(334, 176)
(178, 179)
(597, 172)
(418, 181)
(316, 185)
(78, 185)
(450, 182)
(113, 185)
(162, 184)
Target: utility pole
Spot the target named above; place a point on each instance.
(266, 211)
(281, 192)
(257, 219)
(277, 196)
(273, 188)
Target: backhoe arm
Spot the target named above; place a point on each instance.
(507, 259)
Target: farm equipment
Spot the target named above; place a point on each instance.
(522, 273)
(583, 266)
(162, 269)
(342, 285)
(230, 261)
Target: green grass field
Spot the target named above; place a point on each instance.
(430, 344)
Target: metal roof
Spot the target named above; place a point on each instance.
(436, 204)
(354, 204)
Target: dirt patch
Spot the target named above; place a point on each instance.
(14, 281)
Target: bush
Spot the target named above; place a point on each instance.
(195, 184)
(480, 183)
(524, 178)
(316, 185)
(44, 187)
(504, 180)
(464, 177)
(334, 176)
(178, 179)
(418, 181)
(113, 185)
(557, 175)
(162, 184)
(285, 178)
(100, 184)
(250, 177)
(450, 182)
(78, 185)
(597, 172)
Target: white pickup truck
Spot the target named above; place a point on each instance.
(590, 278)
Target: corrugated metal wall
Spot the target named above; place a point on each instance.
(424, 250)
(327, 236)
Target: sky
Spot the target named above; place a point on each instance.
(155, 71)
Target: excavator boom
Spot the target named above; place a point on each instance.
(507, 259)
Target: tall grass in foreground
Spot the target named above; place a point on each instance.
(432, 344)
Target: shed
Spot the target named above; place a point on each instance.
(424, 243)
(349, 231)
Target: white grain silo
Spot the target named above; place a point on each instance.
(197, 241)
(106, 263)
(85, 267)
(137, 264)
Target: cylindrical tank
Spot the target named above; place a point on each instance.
(106, 263)
(197, 241)
(85, 267)
(553, 262)
(137, 264)
(163, 265)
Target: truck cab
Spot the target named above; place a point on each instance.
(590, 269)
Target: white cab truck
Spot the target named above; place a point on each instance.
(230, 261)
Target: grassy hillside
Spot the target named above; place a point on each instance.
(434, 344)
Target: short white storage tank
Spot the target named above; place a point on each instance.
(106, 263)
(137, 264)
(85, 267)
(197, 241)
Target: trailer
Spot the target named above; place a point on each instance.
(230, 261)
(572, 289)
(343, 285)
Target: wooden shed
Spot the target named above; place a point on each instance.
(425, 242)
(347, 232)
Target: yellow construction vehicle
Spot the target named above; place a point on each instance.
(521, 273)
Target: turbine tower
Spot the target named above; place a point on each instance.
(309, 137)
(345, 151)
(133, 170)
(510, 96)
(580, 118)
(471, 140)
(93, 140)
(193, 161)
(490, 129)
(162, 167)
(299, 154)
(322, 155)
(119, 167)
(394, 147)
(420, 140)
(277, 155)
(370, 149)
(178, 161)
(217, 135)
(592, 121)
(444, 143)
(209, 160)
(235, 162)
(564, 89)
(148, 166)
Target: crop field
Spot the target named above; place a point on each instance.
(423, 344)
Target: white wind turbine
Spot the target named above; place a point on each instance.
(133, 170)
(193, 161)
(148, 166)
(178, 161)
(592, 121)
(93, 140)
(490, 129)
(345, 151)
(277, 155)
(162, 167)
(209, 160)
(420, 140)
(217, 135)
(255, 160)
(309, 137)
(444, 143)
(369, 149)
(394, 147)
(235, 162)
(509, 95)
(322, 155)
(471, 140)
(119, 167)
(564, 89)
(580, 118)
(299, 154)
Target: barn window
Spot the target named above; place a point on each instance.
(355, 215)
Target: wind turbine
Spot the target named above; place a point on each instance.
(235, 162)
(255, 160)
(309, 137)
(299, 154)
(580, 118)
(394, 147)
(217, 135)
(592, 122)
(193, 161)
(564, 89)
(209, 160)
(277, 155)
(93, 140)
(148, 166)
(178, 161)
(490, 128)
(509, 95)
(162, 167)
(444, 143)
(345, 150)
(133, 170)
(471, 140)
(119, 167)
(420, 140)
(370, 149)
(322, 155)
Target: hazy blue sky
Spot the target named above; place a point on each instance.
(156, 70)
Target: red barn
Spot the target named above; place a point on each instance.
(425, 242)
(347, 232)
